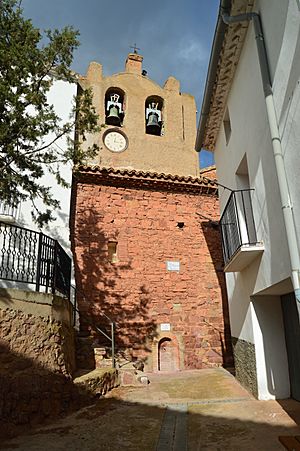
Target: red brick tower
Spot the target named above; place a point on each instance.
(146, 245)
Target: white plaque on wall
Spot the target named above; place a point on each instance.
(173, 266)
(165, 326)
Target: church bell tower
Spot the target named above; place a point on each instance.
(146, 127)
(144, 257)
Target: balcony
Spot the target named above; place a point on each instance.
(239, 240)
(34, 259)
(8, 213)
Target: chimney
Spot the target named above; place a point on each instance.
(134, 63)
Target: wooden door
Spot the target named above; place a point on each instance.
(292, 338)
(167, 355)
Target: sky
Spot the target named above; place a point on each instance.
(174, 37)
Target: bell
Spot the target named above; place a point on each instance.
(153, 127)
(113, 117)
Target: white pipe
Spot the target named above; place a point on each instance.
(286, 204)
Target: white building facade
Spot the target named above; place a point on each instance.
(61, 96)
(18, 257)
(253, 127)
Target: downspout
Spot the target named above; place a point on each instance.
(286, 204)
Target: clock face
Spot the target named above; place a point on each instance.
(115, 141)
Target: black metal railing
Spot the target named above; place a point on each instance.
(237, 223)
(34, 258)
(110, 336)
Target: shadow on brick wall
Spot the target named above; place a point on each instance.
(101, 291)
(212, 236)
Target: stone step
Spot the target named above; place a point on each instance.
(98, 382)
(90, 354)
(84, 340)
(84, 352)
(104, 363)
(132, 377)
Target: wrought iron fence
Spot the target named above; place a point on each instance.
(34, 258)
(237, 223)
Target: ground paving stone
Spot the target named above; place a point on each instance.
(186, 411)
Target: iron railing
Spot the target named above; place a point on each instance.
(237, 223)
(34, 258)
(110, 336)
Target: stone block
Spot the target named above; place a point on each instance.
(100, 351)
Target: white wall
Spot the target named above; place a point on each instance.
(261, 322)
(270, 349)
(250, 136)
(287, 102)
(273, 16)
(248, 114)
(61, 96)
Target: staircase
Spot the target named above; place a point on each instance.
(90, 355)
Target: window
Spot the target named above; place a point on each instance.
(227, 126)
(112, 251)
(244, 203)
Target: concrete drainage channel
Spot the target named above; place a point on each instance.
(173, 433)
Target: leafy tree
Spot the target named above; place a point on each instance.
(28, 61)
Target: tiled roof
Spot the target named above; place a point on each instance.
(208, 169)
(113, 175)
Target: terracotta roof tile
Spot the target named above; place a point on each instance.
(143, 177)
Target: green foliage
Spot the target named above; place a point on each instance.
(28, 62)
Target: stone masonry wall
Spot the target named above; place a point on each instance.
(36, 363)
(42, 341)
(245, 364)
(151, 227)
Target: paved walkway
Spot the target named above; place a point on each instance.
(185, 411)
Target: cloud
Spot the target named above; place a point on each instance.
(192, 51)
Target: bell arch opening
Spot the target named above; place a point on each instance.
(114, 107)
(154, 115)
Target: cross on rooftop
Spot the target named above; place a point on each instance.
(135, 48)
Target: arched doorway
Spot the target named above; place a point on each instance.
(167, 355)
